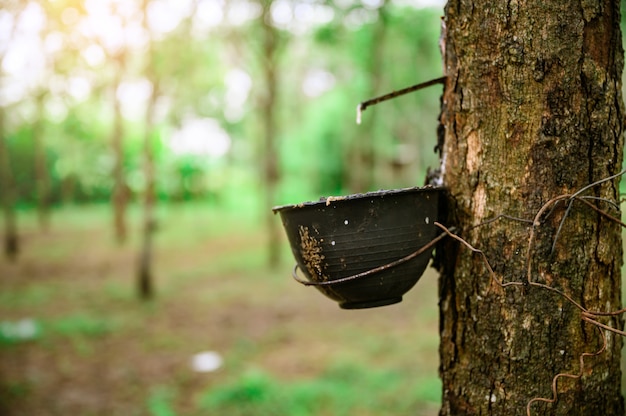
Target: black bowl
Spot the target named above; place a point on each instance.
(363, 250)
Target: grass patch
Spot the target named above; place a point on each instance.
(80, 325)
(75, 326)
(97, 349)
(13, 390)
(160, 401)
(343, 389)
(14, 332)
(28, 297)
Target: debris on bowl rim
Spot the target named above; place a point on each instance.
(330, 199)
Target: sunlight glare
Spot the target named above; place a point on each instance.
(70, 16)
(79, 88)
(24, 56)
(107, 29)
(12, 92)
(300, 16)
(54, 42)
(418, 4)
(56, 109)
(314, 14)
(133, 96)
(165, 15)
(201, 137)
(372, 4)
(94, 55)
(316, 82)
(243, 11)
(358, 17)
(135, 36)
(24, 64)
(238, 84)
(281, 12)
(209, 14)
(32, 19)
(113, 31)
(6, 27)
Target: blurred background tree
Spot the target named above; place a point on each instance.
(202, 99)
(164, 105)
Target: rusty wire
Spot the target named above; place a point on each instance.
(586, 316)
(576, 196)
(378, 269)
(580, 373)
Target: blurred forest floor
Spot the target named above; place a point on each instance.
(75, 340)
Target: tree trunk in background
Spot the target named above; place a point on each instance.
(532, 110)
(7, 196)
(271, 168)
(145, 270)
(120, 190)
(363, 152)
(42, 177)
(145, 273)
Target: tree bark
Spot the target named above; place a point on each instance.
(532, 109)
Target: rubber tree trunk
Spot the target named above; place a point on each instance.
(8, 191)
(7, 196)
(271, 168)
(532, 109)
(120, 190)
(145, 269)
(363, 155)
(145, 278)
(42, 177)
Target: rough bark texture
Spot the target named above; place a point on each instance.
(532, 109)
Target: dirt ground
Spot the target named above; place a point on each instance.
(97, 350)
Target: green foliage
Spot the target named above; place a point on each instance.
(76, 325)
(160, 402)
(23, 330)
(328, 34)
(325, 142)
(13, 391)
(77, 328)
(343, 389)
(317, 135)
(318, 153)
(33, 296)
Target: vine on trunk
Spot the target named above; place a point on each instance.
(587, 315)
